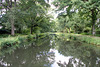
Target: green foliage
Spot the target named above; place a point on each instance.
(30, 37)
(7, 44)
(0, 7)
(74, 24)
(28, 15)
(81, 38)
(87, 39)
(98, 31)
(79, 14)
(4, 35)
(87, 30)
(16, 41)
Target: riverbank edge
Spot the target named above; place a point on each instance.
(4, 42)
(93, 40)
(10, 41)
(14, 41)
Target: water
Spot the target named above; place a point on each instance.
(54, 52)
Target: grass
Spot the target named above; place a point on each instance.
(10, 38)
(94, 40)
(8, 41)
(88, 39)
(98, 35)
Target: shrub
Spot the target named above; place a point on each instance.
(87, 30)
(98, 31)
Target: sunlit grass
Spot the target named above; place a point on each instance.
(94, 40)
(68, 36)
(11, 40)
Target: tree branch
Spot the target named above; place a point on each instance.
(4, 5)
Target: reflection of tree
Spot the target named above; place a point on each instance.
(85, 53)
(33, 56)
(30, 56)
(70, 63)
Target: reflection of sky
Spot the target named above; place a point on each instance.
(98, 59)
(59, 58)
(5, 64)
(62, 59)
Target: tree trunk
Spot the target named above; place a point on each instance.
(10, 4)
(12, 20)
(93, 28)
(15, 2)
(93, 22)
(31, 29)
(12, 27)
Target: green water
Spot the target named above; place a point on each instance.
(53, 52)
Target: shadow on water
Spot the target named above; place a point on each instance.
(53, 52)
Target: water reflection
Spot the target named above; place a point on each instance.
(64, 61)
(84, 55)
(29, 57)
(53, 53)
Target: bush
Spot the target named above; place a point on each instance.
(72, 31)
(98, 31)
(26, 31)
(7, 44)
(29, 37)
(87, 30)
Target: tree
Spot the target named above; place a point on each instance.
(34, 12)
(89, 7)
(27, 14)
(8, 6)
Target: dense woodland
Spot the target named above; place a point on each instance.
(81, 16)
(25, 16)
(31, 16)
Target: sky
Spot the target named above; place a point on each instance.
(52, 9)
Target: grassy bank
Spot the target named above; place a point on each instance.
(86, 38)
(7, 41)
(10, 41)
(94, 40)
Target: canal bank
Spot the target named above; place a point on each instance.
(9, 41)
(93, 40)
